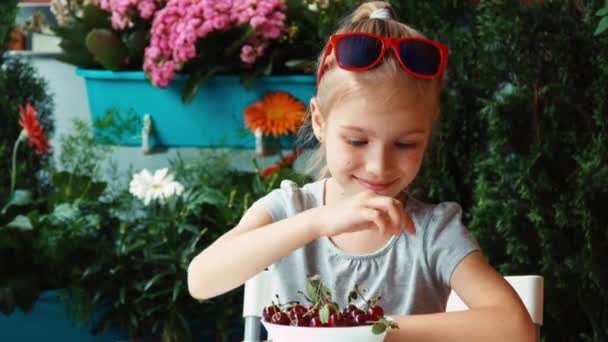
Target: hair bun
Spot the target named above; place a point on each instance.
(381, 13)
(373, 10)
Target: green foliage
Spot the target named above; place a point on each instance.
(603, 23)
(113, 254)
(90, 42)
(22, 273)
(522, 145)
(47, 236)
(8, 12)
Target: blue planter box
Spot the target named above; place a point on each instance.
(214, 118)
(47, 321)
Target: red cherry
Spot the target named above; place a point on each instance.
(355, 312)
(301, 321)
(373, 317)
(350, 308)
(316, 322)
(361, 319)
(269, 311)
(280, 318)
(297, 311)
(376, 310)
(335, 320)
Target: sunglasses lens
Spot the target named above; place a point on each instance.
(358, 51)
(420, 57)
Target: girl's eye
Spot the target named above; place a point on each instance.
(406, 145)
(356, 142)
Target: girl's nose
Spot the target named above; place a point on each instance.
(378, 161)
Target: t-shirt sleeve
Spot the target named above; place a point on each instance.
(282, 202)
(447, 241)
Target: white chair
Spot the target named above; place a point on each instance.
(258, 294)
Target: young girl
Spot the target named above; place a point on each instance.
(379, 83)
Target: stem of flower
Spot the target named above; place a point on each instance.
(22, 136)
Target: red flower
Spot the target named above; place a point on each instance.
(290, 158)
(29, 122)
(270, 170)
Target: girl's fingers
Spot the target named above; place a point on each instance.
(376, 217)
(390, 207)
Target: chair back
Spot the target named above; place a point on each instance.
(530, 289)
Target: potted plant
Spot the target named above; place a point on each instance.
(146, 59)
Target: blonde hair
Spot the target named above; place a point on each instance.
(332, 88)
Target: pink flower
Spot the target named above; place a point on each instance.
(124, 12)
(178, 27)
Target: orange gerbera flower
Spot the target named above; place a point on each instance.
(30, 124)
(278, 113)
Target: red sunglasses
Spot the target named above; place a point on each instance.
(360, 51)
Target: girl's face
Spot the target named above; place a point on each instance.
(373, 142)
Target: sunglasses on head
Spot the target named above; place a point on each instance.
(360, 51)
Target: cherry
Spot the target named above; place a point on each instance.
(297, 311)
(335, 320)
(300, 321)
(348, 310)
(376, 310)
(269, 311)
(316, 322)
(373, 317)
(355, 312)
(361, 319)
(280, 318)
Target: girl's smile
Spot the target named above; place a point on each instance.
(375, 186)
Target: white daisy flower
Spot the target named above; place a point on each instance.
(160, 186)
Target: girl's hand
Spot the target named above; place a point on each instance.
(366, 210)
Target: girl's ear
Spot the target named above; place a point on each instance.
(318, 122)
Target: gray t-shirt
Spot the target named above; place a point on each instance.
(411, 272)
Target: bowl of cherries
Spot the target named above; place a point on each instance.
(322, 319)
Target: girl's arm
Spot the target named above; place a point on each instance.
(496, 313)
(247, 250)
(256, 242)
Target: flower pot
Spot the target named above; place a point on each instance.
(214, 118)
(48, 321)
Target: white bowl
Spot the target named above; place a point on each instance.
(287, 333)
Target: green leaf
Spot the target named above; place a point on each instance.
(324, 314)
(94, 17)
(378, 328)
(21, 222)
(156, 278)
(177, 287)
(107, 48)
(601, 27)
(311, 292)
(66, 212)
(602, 12)
(18, 198)
(136, 43)
(195, 81)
